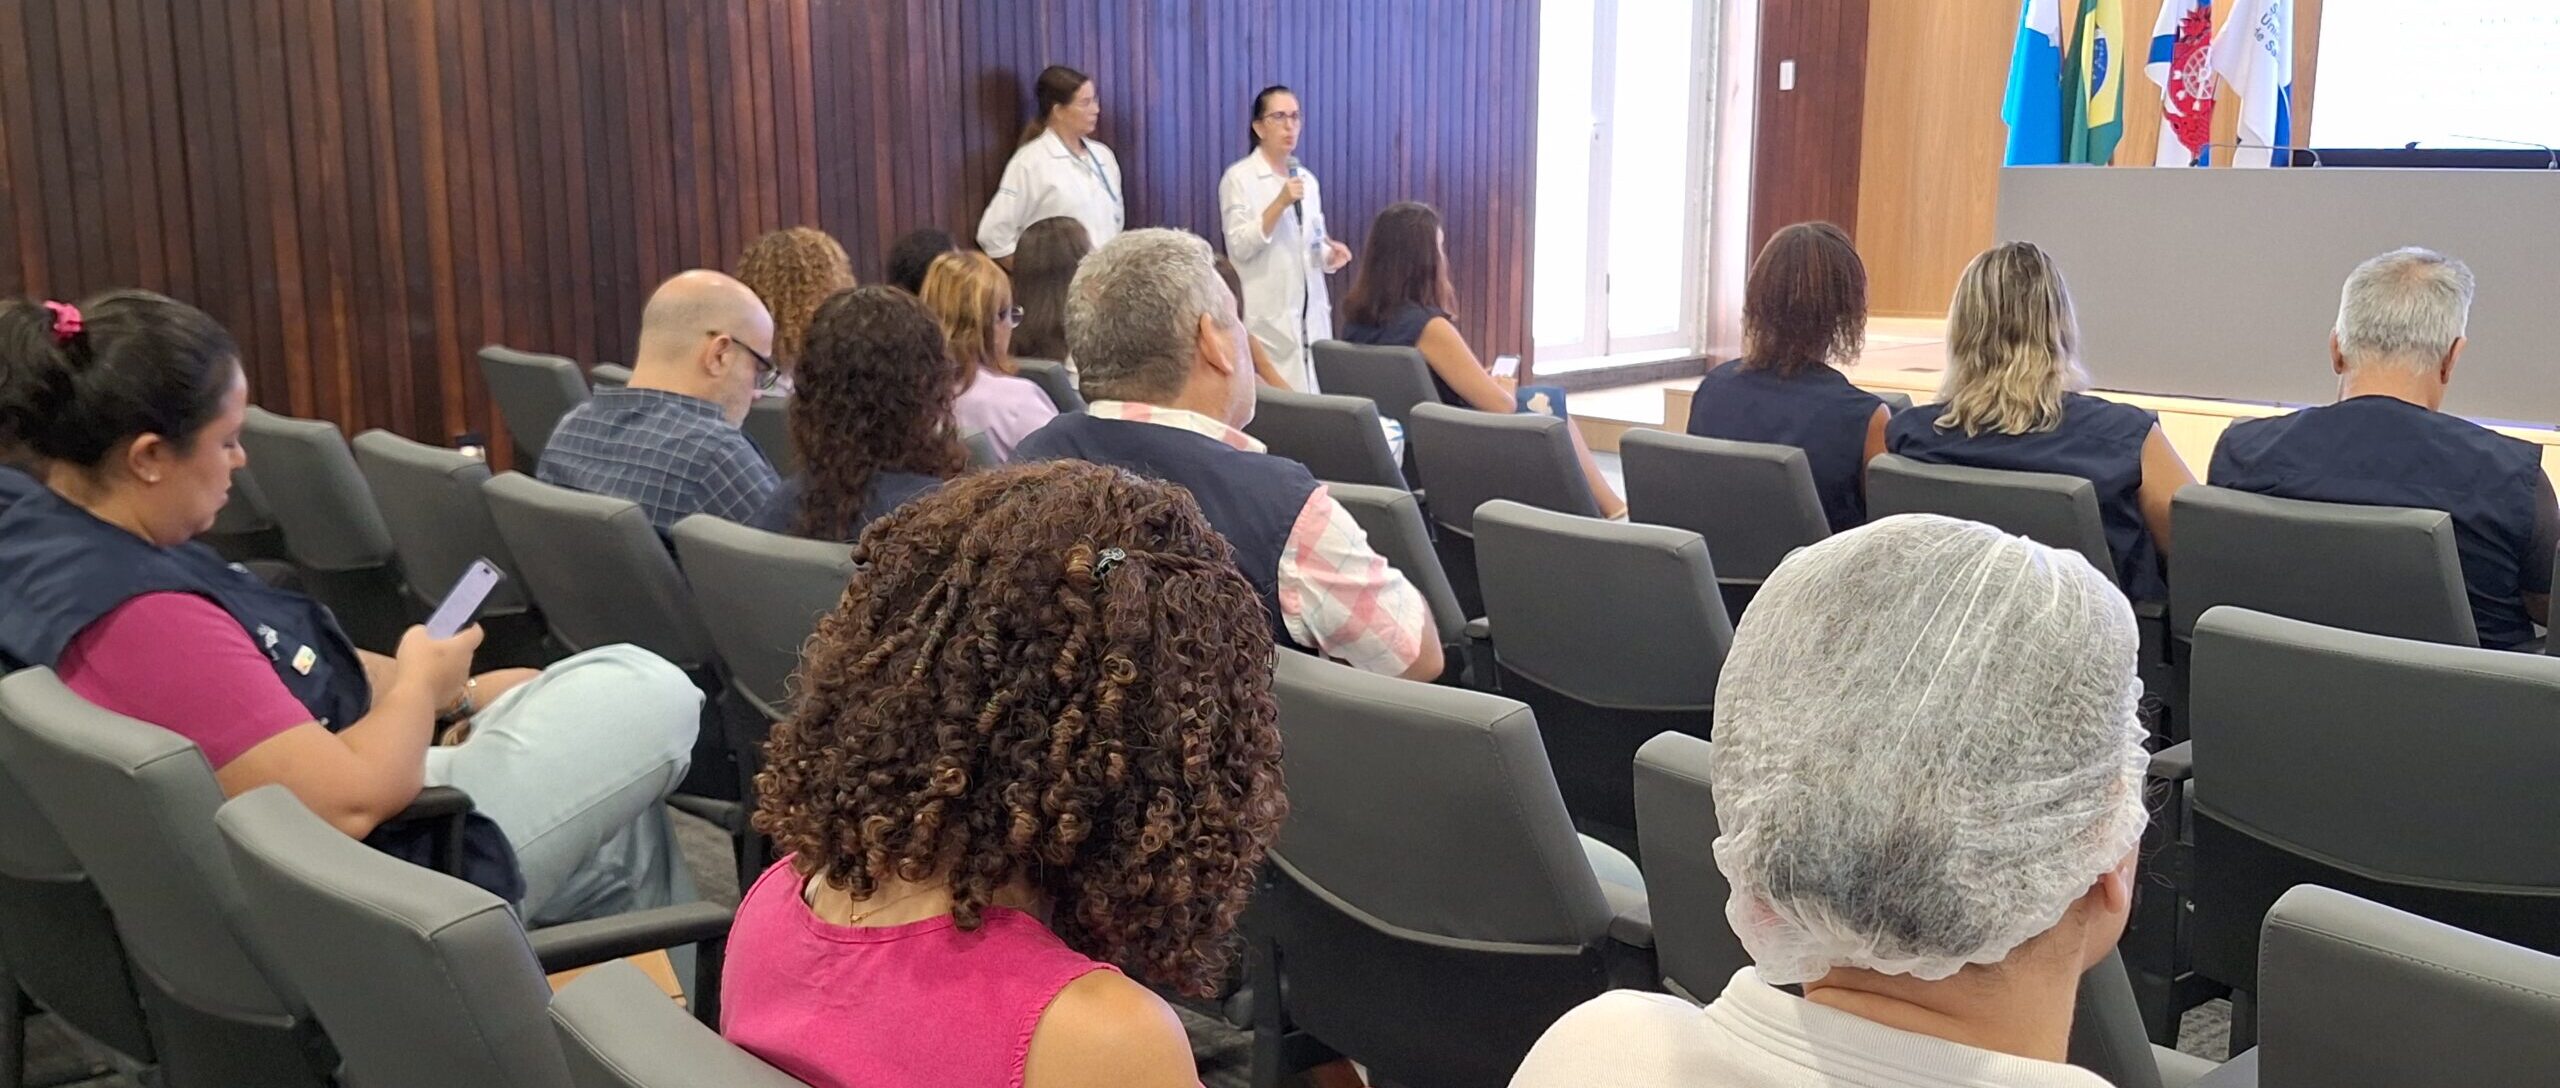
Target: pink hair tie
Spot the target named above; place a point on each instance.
(66, 321)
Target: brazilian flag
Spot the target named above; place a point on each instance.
(2093, 81)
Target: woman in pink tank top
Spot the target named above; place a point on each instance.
(1035, 749)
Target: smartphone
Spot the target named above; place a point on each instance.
(1506, 366)
(462, 605)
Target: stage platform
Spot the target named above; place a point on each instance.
(1908, 355)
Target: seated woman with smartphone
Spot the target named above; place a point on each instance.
(132, 404)
(1402, 297)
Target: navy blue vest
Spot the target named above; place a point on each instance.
(1815, 410)
(2099, 441)
(15, 485)
(62, 569)
(1252, 499)
(2382, 451)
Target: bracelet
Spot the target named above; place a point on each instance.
(466, 707)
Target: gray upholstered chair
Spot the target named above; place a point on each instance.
(603, 376)
(1396, 378)
(1393, 521)
(1753, 502)
(243, 530)
(430, 499)
(1468, 458)
(1429, 911)
(422, 980)
(135, 804)
(2383, 570)
(768, 425)
(2049, 508)
(982, 450)
(1336, 437)
(618, 1031)
(2410, 773)
(532, 391)
(58, 944)
(1895, 400)
(1676, 816)
(2360, 995)
(1051, 376)
(759, 595)
(333, 530)
(1613, 633)
(601, 575)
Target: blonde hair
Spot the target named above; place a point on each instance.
(2013, 345)
(968, 292)
(793, 271)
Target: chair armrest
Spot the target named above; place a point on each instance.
(585, 944)
(615, 1027)
(443, 807)
(1480, 629)
(2175, 763)
(2239, 1072)
(730, 815)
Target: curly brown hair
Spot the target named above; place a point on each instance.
(793, 271)
(1805, 303)
(873, 395)
(1050, 673)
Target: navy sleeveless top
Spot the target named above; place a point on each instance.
(2383, 451)
(62, 569)
(886, 492)
(1815, 410)
(15, 485)
(1403, 329)
(1252, 499)
(2099, 441)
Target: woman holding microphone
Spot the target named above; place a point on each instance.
(1060, 169)
(1273, 213)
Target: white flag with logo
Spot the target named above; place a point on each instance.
(2254, 53)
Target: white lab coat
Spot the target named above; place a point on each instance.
(1286, 305)
(1045, 179)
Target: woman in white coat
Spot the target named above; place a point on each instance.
(1060, 169)
(1273, 213)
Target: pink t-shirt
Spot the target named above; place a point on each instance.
(1006, 407)
(180, 662)
(921, 1005)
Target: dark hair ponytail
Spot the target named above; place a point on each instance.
(1056, 87)
(139, 364)
(1262, 98)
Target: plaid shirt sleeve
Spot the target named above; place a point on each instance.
(738, 483)
(1343, 598)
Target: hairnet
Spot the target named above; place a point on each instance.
(1926, 749)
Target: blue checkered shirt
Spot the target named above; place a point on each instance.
(674, 455)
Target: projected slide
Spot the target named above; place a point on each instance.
(2444, 73)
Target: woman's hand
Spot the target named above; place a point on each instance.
(1336, 256)
(436, 667)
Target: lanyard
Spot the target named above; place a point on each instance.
(1094, 163)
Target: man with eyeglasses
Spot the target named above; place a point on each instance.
(670, 440)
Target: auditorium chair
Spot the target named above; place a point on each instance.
(243, 531)
(759, 596)
(333, 530)
(1894, 401)
(1337, 437)
(2410, 773)
(1392, 519)
(2383, 570)
(603, 376)
(419, 979)
(532, 392)
(1468, 458)
(2360, 995)
(430, 499)
(1428, 910)
(1395, 378)
(1753, 502)
(2050, 508)
(982, 450)
(1613, 633)
(1051, 376)
(135, 805)
(58, 945)
(1676, 817)
(768, 426)
(601, 575)
(619, 1031)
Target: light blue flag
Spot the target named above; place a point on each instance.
(2033, 109)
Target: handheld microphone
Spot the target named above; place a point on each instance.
(1294, 208)
(2546, 149)
(2288, 149)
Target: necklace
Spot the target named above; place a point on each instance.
(858, 917)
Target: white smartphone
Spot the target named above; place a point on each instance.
(462, 605)
(1506, 366)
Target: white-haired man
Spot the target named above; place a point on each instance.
(2385, 442)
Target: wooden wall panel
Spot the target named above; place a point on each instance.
(1807, 157)
(1929, 192)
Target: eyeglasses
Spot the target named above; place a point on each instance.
(767, 373)
(1011, 316)
(1281, 118)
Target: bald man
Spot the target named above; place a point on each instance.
(670, 441)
